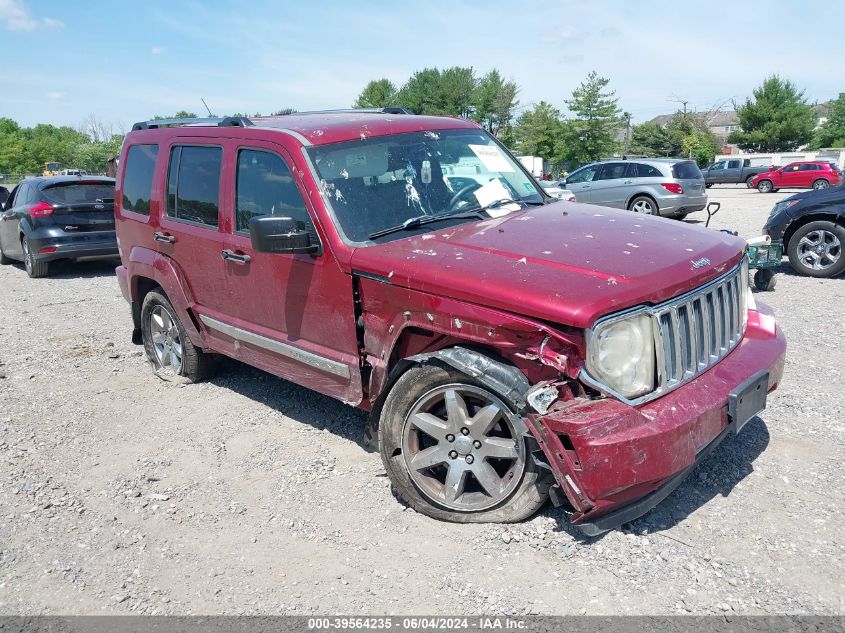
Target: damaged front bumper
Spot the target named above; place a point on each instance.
(614, 462)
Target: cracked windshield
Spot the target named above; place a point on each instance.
(410, 179)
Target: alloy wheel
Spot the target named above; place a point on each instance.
(643, 206)
(820, 184)
(167, 342)
(461, 448)
(819, 250)
(27, 256)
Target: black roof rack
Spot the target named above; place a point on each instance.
(229, 121)
(387, 110)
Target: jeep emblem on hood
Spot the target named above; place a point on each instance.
(700, 263)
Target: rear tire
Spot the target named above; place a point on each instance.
(518, 488)
(34, 268)
(815, 249)
(749, 182)
(169, 349)
(708, 185)
(821, 183)
(765, 186)
(645, 205)
(765, 280)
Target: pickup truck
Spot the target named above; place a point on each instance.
(731, 171)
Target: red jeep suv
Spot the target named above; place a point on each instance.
(508, 346)
(801, 175)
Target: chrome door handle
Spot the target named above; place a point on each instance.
(629, 182)
(158, 236)
(232, 256)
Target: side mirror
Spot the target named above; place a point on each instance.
(277, 234)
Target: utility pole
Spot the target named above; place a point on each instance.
(627, 117)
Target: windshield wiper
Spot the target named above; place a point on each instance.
(412, 223)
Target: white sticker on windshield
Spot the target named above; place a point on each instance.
(494, 191)
(492, 158)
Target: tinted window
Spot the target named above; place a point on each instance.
(13, 197)
(193, 184)
(687, 170)
(585, 174)
(792, 168)
(612, 171)
(265, 186)
(809, 167)
(647, 171)
(138, 178)
(733, 164)
(76, 193)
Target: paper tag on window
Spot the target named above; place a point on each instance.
(494, 191)
(425, 172)
(492, 158)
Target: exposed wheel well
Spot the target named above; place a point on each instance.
(824, 217)
(143, 286)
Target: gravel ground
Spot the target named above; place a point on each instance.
(120, 493)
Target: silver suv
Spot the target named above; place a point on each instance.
(671, 187)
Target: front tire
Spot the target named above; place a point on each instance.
(765, 186)
(169, 349)
(455, 451)
(34, 268)
(749, 182)
(643, 204)
(815, 249)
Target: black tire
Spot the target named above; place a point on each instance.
(644, 202)
(821, 183)
(680, 216)
(765, 280)
(526, 497)
(765, 186)
(34, 268)
(799, 254)
(749, 182)
(707, 185)
(194, 364)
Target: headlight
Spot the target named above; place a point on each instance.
(620, 355)
(782, 206)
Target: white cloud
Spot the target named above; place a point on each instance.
(56, 95)
(16, 16)
(157, 50)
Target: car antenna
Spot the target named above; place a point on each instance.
(206, 106)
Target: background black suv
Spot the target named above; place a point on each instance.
(811, 226)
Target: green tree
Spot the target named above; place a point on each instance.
(538, 132)
(181, 114)
(778, 119)
(650, 139)
(284, 111)
(494, 103)
(11, 146)
(431, 91)
(379, 93)
(690, 137)
(832, 132)
(596, 122)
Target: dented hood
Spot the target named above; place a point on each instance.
(566, 263)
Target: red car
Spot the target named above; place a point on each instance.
(508, 347)
(800, 175)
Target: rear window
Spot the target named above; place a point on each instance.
(79, 192)
(138, 178)
(687, 170)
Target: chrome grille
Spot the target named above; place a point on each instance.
(700, 328)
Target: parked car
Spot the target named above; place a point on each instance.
(811, 226)
(58, 217)
(670, 187)
(799, 175)
(4, 195)
(507, 346)
(556, 190)
(731, 171)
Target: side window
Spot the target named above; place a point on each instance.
(12, 197)
(612, 171)
(193, 184)
(809, 167)
(733, 164)
(138, 178)
(583, 175)
(720, 165)
(265, 186)
(792, 168)
(647, 171)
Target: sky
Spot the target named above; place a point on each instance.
(61, 62)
